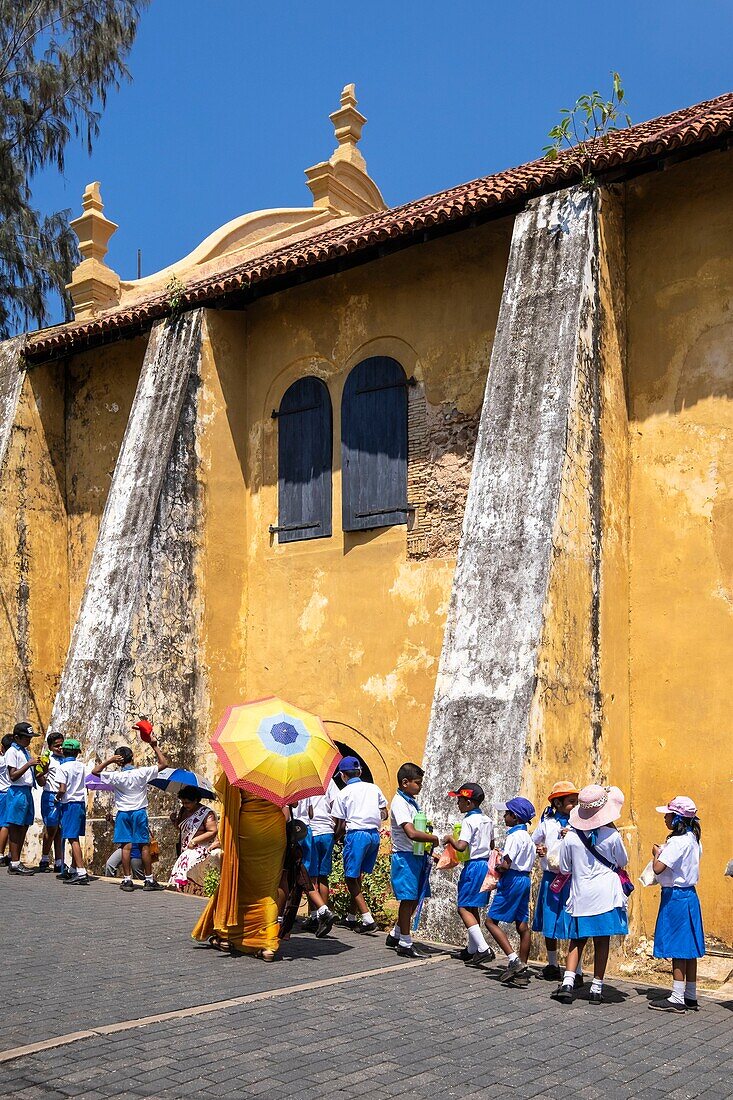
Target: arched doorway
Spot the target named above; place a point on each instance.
(346, 750)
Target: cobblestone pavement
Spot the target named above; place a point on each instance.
(82, 962)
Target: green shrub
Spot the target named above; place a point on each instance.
(377, 887)
(211, 881)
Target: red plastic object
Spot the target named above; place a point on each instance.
(145, 728)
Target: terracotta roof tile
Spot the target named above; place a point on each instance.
(692, 127)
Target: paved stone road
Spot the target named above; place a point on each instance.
(81, 962)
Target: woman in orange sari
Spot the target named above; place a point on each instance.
(242, 915)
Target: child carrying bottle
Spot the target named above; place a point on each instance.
(409, 867)
(551, 918)
(477, 839)
(510, 903)
(679, 934)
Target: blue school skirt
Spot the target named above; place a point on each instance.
(470, 894)
(409, 876)
(679, 933)
(19, 806)
(361, 848)
(73, 820)
(511, 899)
(50, 809)
(613, 923)
(2, 808)
(551, 918)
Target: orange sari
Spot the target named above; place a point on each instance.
(243, 911)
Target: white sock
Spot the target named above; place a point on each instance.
(512, 956)
(148, 878)
(569, 978)
(552, 958)
(678, 993)
(15, 863)
(405, 940)
(44, 860)
(596, 986)
(395, 933)
(367, 918)
(322, 911)
(81, 871)
(351, 918)
(127, 878)
(476, 941)
(691, 991)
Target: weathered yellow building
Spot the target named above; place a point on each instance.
(268, 495)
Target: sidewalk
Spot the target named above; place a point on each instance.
(416, 1030)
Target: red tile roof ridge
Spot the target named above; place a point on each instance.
(690, 126)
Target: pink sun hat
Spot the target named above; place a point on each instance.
(597, 806)
(681, 805)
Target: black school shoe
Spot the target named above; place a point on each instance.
(309, 924)
(21, 869)
(552, 973)
(595, 998)
(365, 929)
(77, 880)
(64, 875)
(578, 983)
(147, 885)
(691, 1004)
(515, 969)
(480, 958)
(563, 994)
(127, 885)
(410, 952)
(43, 869)
(391, 941)
(666, 1004)
(4, 861)
(324, 924)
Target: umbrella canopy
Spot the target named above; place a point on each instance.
(94, 783)
(275, 751)
(172, 779)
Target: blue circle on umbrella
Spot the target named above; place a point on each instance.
(283, 734)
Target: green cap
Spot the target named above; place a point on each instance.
(71, 743)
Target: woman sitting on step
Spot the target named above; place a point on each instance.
(199, 844)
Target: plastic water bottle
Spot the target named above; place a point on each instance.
(462, 857)
(420, 822)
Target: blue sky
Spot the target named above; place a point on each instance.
(229, 100)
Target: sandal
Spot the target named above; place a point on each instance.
(218, 943)
(265, 955)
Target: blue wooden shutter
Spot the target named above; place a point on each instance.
(374, 445)
(305, 449)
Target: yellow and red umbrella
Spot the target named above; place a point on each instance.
(275, 751)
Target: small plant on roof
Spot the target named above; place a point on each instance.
(586, 126)
(175, 290)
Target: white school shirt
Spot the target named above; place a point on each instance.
(4, 777)
(594, 887)
(401, 812)
(520, 849)
(478, 830)
(547, 833)
(321, 822)
(74, 774)
(360, 804)
(682, 857)
(130, 786)
(54, 778)
(14, 758)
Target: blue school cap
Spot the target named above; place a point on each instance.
(350, 764)
(522, 809)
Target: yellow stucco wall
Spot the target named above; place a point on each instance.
(680, 382)
(346, 626)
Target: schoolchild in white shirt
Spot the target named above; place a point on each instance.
(551, 917)
(130, 786)
(510, 904)
(679, 933)
(593, 854)
(477, 839)
(410, 870)
(358, 811)
(4, 784)
(19, 810)
(50, 808)
(317, 848)
(72, 798)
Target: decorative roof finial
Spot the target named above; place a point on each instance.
(93, 284)
(348, 124)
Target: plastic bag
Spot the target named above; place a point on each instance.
(448, 859)
(491, 880)
(647, 876)
(553, 856)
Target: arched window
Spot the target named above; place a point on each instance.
(304, 451)
(374, 445)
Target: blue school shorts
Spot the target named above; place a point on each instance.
(19, 806)
(320, 863)
(679, 933)
(3, 800)
(510, 903)
(409, 876)
(470, 881)
(73, 820)
(361, 848)
(50, 809)
(131, 827)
